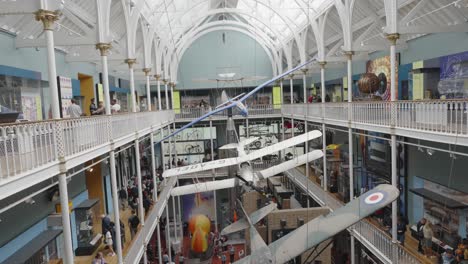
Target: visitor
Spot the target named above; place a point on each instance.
(447, 257)
(181, 258)
(232, 252)
(461, 249)
(123, 198)
(115, 107)
(223, 258)
(327, 98)
(133, 223)
(74, 110)
(99, 259)
(165, 258)
(105, 224)
(146, 203)
(110, 243)
(420, 234)
(401, 229)
(310, 99)
(428, 233)
(100, 110)
(173, 255)
(92, 106)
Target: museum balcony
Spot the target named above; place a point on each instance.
(32, 152)
(444, 121)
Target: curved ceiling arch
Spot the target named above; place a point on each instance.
(215, 26)
(213, 29)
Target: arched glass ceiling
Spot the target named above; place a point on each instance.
(279, 19)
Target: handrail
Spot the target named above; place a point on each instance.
(27, 146)
(436, 116)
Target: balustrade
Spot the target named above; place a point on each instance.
(30, 145)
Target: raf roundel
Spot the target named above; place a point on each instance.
(374, 198)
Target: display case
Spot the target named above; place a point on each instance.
(86, 221)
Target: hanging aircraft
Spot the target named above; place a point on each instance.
(312, 233)
(246, 174)
(238, 102)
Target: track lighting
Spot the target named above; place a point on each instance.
(30, 201)
(430, 151)
(91, 169)
(420, 149)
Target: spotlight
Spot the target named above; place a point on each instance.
(91, 169)
(430, 152)
(420, 149)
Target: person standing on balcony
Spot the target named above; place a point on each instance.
(74, 110)
(115, 107)
(92, 106)
(419, 230)
(101, 110)
(427, 242)
(133, 223)
(401, 229)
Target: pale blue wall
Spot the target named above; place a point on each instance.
(422, 48)
(30, 59)
(14, 245)
(208, 54)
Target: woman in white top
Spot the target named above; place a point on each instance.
(427, 242)
(110, 243)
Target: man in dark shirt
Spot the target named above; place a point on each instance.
(92, 106)
(419, 230)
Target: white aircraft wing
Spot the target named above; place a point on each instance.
(282, 145)
(215, 164)
(204, 187)
(290, 164)
(324, 227)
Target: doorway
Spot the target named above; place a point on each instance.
(87, 91)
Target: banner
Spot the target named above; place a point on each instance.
(277, 97)
(176, 102)
(66, 94)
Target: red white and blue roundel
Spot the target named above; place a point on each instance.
(374, 198)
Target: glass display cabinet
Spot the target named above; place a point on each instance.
(86, 221)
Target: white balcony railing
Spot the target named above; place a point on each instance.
(255, 110)
(438, 116)
(28, 146)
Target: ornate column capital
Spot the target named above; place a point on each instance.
(103, 48)
(172, 84)
(164, 81)
(147, 71)
(47, 17)
(349, 54)
(157, 76)
(304, 71)
(278, 82)
(291, 76)
(130, 62)
(393, 38)
(322, 64)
